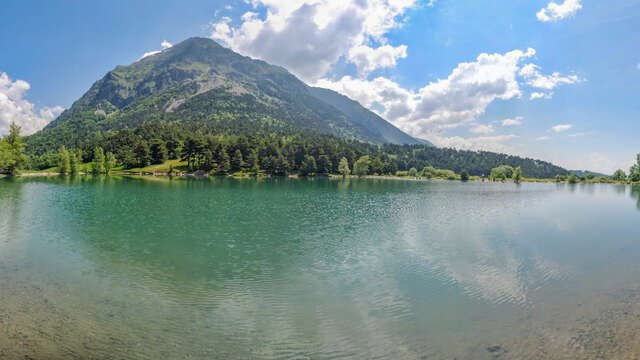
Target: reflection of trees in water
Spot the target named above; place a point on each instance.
(635, 193)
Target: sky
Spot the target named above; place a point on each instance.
(557, 81)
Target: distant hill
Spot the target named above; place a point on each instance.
(586, 172)
(200, 83)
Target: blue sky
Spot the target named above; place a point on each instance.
(557, 81)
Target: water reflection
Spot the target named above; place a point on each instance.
(281, 268)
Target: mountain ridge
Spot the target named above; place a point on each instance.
(201, 82)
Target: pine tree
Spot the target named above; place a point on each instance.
(237, 162)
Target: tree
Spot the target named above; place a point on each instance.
(619, 175)
(253, 162)
(413, 172)
(12, 157)
(158, 151)
(572, 179)
(634, 172)
(464, 175)
(308, 166)
(64, 162)
(142, 154)
(73, 163)
(110, 162)
(224, 164)
(237, 162)
(98, 161)
(560, 178)
(324, 164)
(343, 167)
(429, 172)
(361, 167)
(517, 175)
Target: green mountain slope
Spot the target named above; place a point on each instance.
(204, 85)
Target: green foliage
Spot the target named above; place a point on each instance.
(501, 173)
(253, 162)
(324, 164)
(517, 175)
(464, 175)
(429, 172)
(110, 162)
(634, 172)
(98, 161)
(308, 166)
(64, 161)
(619, 175)
(572, 179)
(224, 163)
(74, 163)
(361, 167)
(237, 162)
(143, 154)
(12, 156)
(343, 167)
(413, 172)
(158, 151)
(561, 178)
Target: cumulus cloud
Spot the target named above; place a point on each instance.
(555, 11)
(317, 33)
(482, 129)
(14, 108)
(517, 121)
(368, 59)
(444, 104)
(534, 78)
(561, 128)
(165, 45)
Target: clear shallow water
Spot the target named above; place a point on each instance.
(149, 268)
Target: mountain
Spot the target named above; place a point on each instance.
(201, 84)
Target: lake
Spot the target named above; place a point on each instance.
(213, 268)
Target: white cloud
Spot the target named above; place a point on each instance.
(368, 59)
(446, 103)
(555, 12)
(482, 129)
(517, 121)
(14, 108)
(165, 45)
(317, 33)
(561, 128)
(540, 95)
(531, 73)
(498, 143)
(543, 138)
(431, 3)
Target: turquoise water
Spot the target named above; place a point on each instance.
(153, 268)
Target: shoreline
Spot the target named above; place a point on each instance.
(329, 176)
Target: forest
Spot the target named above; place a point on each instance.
(301, 153)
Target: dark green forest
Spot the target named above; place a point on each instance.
(282, 154)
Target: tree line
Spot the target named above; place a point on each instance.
(283, 153)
